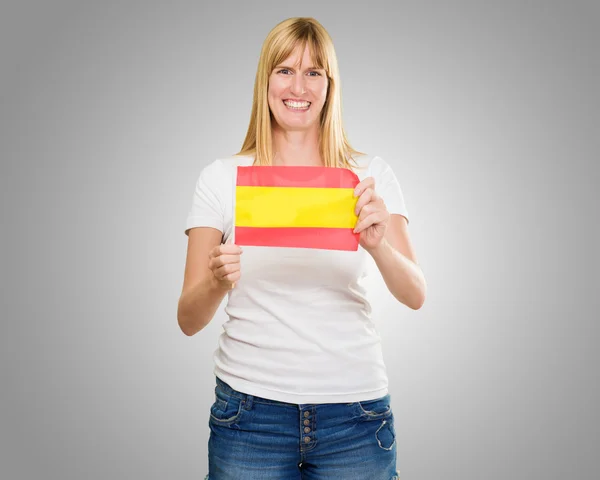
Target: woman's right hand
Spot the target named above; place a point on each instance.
(224, 262)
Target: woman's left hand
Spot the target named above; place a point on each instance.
(373, 216)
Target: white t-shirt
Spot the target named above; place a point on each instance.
(299, 325)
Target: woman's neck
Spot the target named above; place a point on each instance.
(296, 147)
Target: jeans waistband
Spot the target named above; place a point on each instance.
(226, 388)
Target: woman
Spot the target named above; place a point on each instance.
(301, 387)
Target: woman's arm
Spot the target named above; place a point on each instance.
(386, 238)
(396, 260)
(201, 293)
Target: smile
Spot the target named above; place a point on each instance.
(296, 106)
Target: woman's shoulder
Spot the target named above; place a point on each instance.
(229, 162)
(368, 164)
(218, 168)
(233, 161)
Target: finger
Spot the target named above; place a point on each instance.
(233, 278)
(224, 270)
(365, 211)
(375, 203)
(227, 249)
(366, 197)
(230, 248)
(366, 222)
(371, 219)
(221, 260)
(368, 182)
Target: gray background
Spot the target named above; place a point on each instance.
(488, 113)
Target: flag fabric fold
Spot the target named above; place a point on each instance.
(296, 206)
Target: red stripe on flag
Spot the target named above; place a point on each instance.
(298, 237)
(301, 176)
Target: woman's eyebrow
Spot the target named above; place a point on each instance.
(292, 68)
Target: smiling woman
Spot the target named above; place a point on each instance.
(299, 364)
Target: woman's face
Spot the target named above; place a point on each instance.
(308, 87)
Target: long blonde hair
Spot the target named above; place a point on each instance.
(281, 41)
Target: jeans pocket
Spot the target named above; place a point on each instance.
(386, 434)
(376, 409)
(226, 409)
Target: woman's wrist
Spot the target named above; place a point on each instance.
(380, 251)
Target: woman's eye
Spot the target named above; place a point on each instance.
(285, 71)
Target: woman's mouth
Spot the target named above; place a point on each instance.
(296, 106)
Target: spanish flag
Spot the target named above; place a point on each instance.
(301, 207)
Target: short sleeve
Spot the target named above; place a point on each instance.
(388, 187)
(208, 203)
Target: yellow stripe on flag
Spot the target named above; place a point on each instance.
(295, 207)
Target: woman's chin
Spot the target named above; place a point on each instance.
(297, 123)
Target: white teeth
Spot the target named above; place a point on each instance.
(296, 104)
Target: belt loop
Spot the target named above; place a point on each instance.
(248, 402)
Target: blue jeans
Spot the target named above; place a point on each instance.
(256, 438)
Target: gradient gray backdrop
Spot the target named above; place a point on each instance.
(488, 113)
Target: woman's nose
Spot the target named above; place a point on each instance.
(298, 85)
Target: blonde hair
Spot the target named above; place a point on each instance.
(281, 41)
